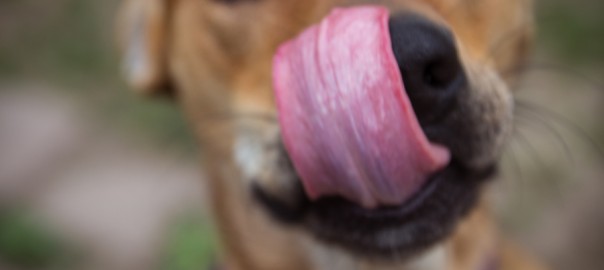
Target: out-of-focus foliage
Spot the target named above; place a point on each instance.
(25, 242)
(191, 245)
(572, 30)
(70, 42)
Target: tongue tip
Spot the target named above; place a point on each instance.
(441, 156)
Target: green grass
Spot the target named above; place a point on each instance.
(191, 245)
(26, 242)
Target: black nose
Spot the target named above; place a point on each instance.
(429, 64)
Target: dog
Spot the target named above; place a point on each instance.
(216, 59)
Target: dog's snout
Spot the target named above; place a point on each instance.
(428, 60)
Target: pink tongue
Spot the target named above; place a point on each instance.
(346, 120)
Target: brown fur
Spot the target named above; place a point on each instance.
(218, 56)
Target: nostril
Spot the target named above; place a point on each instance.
(431, 77)
(437, 75)
(429, 64)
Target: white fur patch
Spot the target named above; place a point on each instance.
(432, 260)
(249, 155)
(137, 64)
(331, 258)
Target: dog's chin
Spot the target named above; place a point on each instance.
(392, 232)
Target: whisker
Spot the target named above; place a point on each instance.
(517, 167)
(552, 131)
(531, 150)
(544, 168)
(593, 83)
(560, 119)
(513, 155)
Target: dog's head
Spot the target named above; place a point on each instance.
(453, 56)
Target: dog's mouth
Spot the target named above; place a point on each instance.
(370, 177)
(400, 230)
(394, 231)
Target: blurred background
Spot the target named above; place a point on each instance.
(93, 176)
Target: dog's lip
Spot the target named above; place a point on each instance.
(426, 218)
(430, 215)
(384, 212)
(306, 207)
(393, 211)
(300, 211)
(416, 201)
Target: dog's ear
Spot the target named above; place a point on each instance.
(142, 36)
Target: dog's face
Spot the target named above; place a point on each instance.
(454, 55)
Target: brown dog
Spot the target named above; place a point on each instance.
(216, 56)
